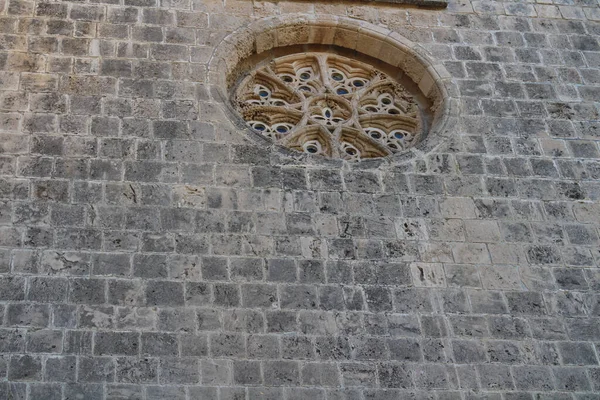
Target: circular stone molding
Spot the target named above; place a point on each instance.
(335, 87)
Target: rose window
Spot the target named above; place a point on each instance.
(326, 104)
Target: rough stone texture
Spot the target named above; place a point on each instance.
(148, 250)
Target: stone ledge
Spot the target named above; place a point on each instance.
(417, 3)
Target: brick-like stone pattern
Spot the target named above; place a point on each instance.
(149, 251)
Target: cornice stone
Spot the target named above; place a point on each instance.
(420, 3)
(417, 3)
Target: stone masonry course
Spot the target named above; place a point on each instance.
(150, 250)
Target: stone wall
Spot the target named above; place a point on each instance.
(149, 250)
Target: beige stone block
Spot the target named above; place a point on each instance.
(76, 146)
(9, 80)
(536, 278)
(411, 229)
(327, 22)
(263, 9)
(482, 231)
(571, 12)
(400, 41)
(185, 267)
(227, 22)
(470, 253)
(427, 83)
(426, 18)
(374, 31)
(265, 41)
(14, 101)
(593, 14)
(293, 34)
(462, 276)
(393, 17)
(439, 105)
(345, 38)
(288, 7)
(17, 43)
(449, 88)
(326, 225)
(439, 72)
(444, 123)
(428, 275)
(461, 6)
(458, 207)
(277, 201)
(436, 252)
(12, 144)
(451, 230)
(568, 303)
(330, 8)
(547, 11)
(587, 212)
(241, 7)
(25, 62)
(321, 34)
(233, 177)
(313, 248)
(368, 44)
(352, 24)
(139, 317)
(210, 6)
(487, 7)
(365, 13)
(422, 54)
(217, 78)
(189, 196)
(391, 53)
(500, 278)
(214, 112)
(506, 253)
(245, 43)
(553, 147)
(412, 68)
(217, 75)
(236, 53)
(39, 82)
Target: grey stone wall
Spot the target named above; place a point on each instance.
(148, 250)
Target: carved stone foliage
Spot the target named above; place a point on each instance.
(326, 104)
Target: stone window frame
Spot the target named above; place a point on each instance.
(324, 103)
(281, 35)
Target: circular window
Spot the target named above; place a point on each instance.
(334, 87)
(327, 104)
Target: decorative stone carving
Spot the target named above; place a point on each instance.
(326, 104)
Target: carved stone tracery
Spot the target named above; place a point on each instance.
(321, 103)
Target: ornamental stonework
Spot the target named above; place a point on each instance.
(330, 105)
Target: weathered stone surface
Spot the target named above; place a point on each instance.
(150, 250)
